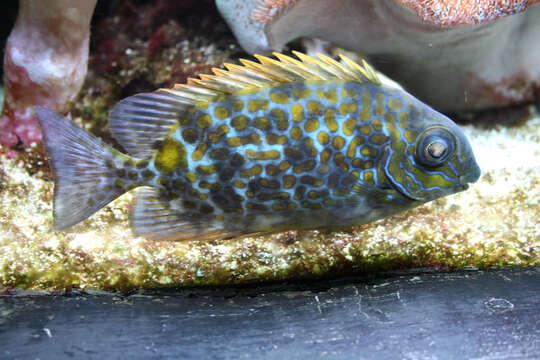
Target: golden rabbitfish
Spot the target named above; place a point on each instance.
(261, 147)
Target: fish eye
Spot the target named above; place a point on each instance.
(435, 146)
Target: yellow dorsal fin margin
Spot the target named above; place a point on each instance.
(268, 72)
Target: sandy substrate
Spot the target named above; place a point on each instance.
(495, 223)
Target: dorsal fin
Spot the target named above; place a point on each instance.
(269, 71)
(139, 121)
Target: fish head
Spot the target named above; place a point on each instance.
(428, 155)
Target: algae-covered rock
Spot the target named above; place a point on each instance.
(494, 223)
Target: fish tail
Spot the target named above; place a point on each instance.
(83, 167)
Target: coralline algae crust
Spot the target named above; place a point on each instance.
(495, 223)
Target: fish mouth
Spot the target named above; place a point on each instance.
(471, 176)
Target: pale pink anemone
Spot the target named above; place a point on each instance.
(457, 55)
(45, 63)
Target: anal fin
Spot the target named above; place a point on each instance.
(153, 218)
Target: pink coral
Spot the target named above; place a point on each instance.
(45, 63)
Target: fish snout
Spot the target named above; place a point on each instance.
(471, 176)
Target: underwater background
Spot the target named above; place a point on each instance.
(496, 223)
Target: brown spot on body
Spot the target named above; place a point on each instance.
(252, 138)
(148, 175)
(305, 166)
(280, 97)
(274, 196)
(221, 112)
(333, 180)
(297, 112)
(347, 108)
(301, 93)
(378, 139)
(204, 121)
(369, 151)
(269, 183)
(314, 107)
(206, 169)
(330, 120)
(199, 152)
(311, 125)
(262, 123)
(296, 133)
(293, 152)
(219, 154)
(263, 155)
(365, 130)
(379, 104)
(330, 95)
(365, 114)
(395, 104)
(272, 170)
(226, 174)
(338, 142)
(346, 92)
(284, 165)
(288, 181)
(325, 155)
(349, 126)
(237, 105)
(215, 136)
(311, 151)
(351, 150)
(315, 194)
(141, 164)
(239, 184)
(253, 171)
(352, 178)
(190, 135)
(299, 192)
(339, 160)
(210, 186)
(311, 180)
(280, 117)
(237, 160)
(367, 176)
(239, 123)
(273, 139)
(323, 169)
(256, 105)
(323, 138)
(377, 125)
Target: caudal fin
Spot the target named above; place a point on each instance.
(83, 169)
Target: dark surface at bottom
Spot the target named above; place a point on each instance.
(464, 315)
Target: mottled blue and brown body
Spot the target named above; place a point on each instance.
(297, 154)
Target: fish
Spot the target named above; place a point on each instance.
(280, 144)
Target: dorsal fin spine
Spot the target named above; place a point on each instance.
(269, 71)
